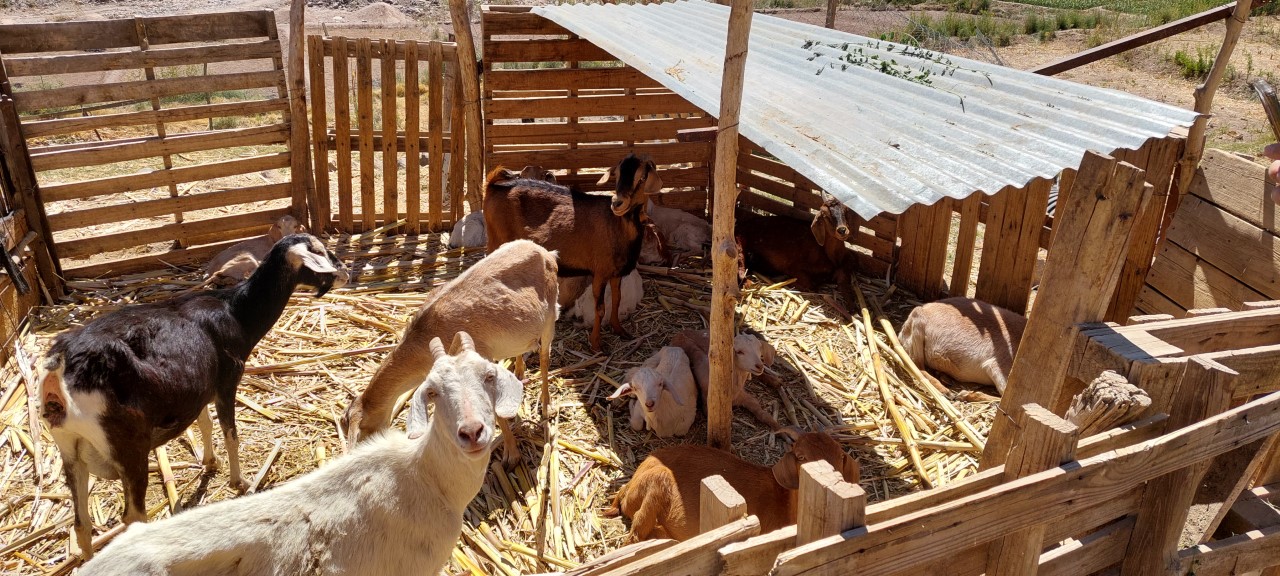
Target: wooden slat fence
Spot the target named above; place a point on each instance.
(381, 111)
(153, 139)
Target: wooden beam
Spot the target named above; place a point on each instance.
(1045, 442)
(827, 504)
(1240, 554)
(1161, 156)
(697, 555)
(1223, 483)
(460, 13)
(724, 253)
(13, 149)
(305, 199)
(718, 504)
(1079, 277)
(755, 555)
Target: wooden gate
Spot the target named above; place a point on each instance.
(386, 137)
(153, 139)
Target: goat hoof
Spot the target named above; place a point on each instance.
(510, 459)
(210, 465)
(239, 485)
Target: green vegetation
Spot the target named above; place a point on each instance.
(1038, 23)
(960, 26)
(971, 6)
(1196, 65)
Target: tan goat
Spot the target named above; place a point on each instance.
(662, 496)
(966, 339)
(751, 356)
(506, 301)
(233, 265)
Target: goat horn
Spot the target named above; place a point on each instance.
(437, 348)
(462, 341)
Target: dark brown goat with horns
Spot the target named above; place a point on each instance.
(592, 235)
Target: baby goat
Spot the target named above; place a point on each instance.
(677, 233)
(814, 255)
(592, 234)
(125, 383)
(506, 301)
(669, 414)
(751, 356)
(662, 497)
(469, 231)
(392, 506)
(581, 304)
(233, 265)
(969, 340)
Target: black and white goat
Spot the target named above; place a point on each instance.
(125, 383)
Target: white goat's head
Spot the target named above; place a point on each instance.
(646, 384)
(469, 393)
(752, 354)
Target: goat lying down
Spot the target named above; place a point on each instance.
(966, 339)
(233, 265)
(664, 394)
(393, 505)
(127, 382)
(751, 356)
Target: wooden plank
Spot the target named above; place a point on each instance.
(138, 237)
(508, 23)
(1256, 367)
(319, 129)
(1089, 554)
(990, 274)
(697, 555)
(41, 128)
(149, 208)
(435, 148)
(1045, 442)
(1191, 282)
(913, 250)
(390, 169)
(624, 555)
(939, 222)
(1224, 483)
(412, 130)
(1240, 554)
(144, 43)
(1160, 156)
(34, 100)
(496, 51)
(589, 106)
(1233, 330)
(1079, 277)
(606, 131)
(306, 202)
(1237, 186)
(957, 524)
(1202, 392)
(104, 34)
(802, 199)
(1135, 40)
(178, 257)
(826, 504)
(159, 178)
(966, 236)
(100, 61)
(755, 555)
(17, 166)
(399, 143)
(107, 152)
(600, 157)
(457, 145)
(469, 81)
(331, 48)
(364, 115)
(1151, 301)
(562, 78)
(1024, 251)
(718, 504)
(342, 128)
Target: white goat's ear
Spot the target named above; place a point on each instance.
(416, 421)
(674, 396)
(510, 393)
(767, 352)
(315, 262)
(608, 175)
(622, 390)
(437, 349)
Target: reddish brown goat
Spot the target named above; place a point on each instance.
(814, 256)
(592, 235)
(662, 496)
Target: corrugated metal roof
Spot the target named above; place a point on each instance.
(880, 125)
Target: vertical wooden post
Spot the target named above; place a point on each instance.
(320, 211)
(144, 44)
(304, 189)
(1079, 277)
(412, 133)
(832, 6)
(435, 146)
(390, 169)
(364, 120)
(342, 132)
(1204, 104)
(1159, 157)
(13, 150)
(826, 504)
(470, 100)
(724, 253)
(1045, 441)
(718, 504)
(1203, 391)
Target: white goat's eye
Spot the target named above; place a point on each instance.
(738, 352)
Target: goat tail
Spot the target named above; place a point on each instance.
(912, 340)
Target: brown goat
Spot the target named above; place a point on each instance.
(969, 340)
(591, 234)
(751, 355)
(506, 302)
(816, 256)
(662, 497)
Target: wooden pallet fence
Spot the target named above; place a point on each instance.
(381, 108)
(558, 101)
(146, 131)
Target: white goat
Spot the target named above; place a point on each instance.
(669, 414)
(682, 233)
(469, 231)
(392, 506)
(233, 265)
(969, 340)
(751, 356)
(574, 289)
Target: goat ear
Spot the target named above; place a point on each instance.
(462, 342)
(851, 469)
(510, 393)
(767, 352)
(674, 396)
(608, 175)
(416, 420)
(787, 472)
(317, 263)
(622, 390)
(437, 349)
(275, 232)
(821, 226)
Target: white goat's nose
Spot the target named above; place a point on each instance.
(469, 433)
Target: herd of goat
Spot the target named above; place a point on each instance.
(127, 382)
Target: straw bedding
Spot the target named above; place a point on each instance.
(545, 515)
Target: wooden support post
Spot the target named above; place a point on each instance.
(1045, 441)
(1079, 277)
(719, 504)
(470, 77)
(724, 254)
(1160, 157)
(320, 210)
(305, 199)
(13, 149)
(826, 504)
(1227, 477)
(1204, 104)
(1204, 390)
(832, 6)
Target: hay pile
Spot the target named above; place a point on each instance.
(546, 514)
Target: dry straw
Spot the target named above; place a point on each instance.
(545, 515)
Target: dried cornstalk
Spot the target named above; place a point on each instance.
(941, 401)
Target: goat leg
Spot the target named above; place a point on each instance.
(226, 407)
(510, 450)
(746, 400)
(207, 459)
(615, 321)
(77, 473)
(597, 292)
(132, 461)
